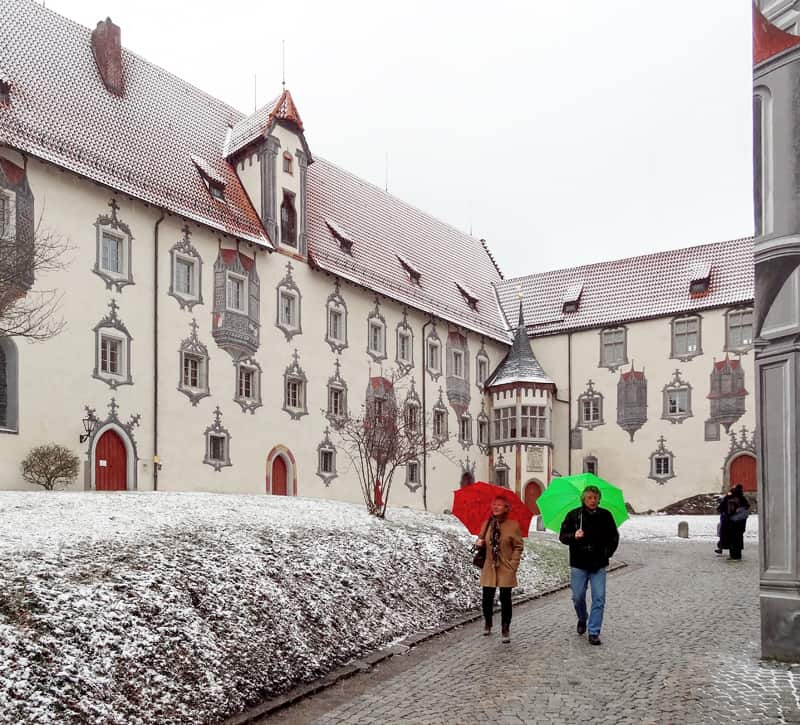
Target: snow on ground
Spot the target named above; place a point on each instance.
(142, 608)
(658, 527)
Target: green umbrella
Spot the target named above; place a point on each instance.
(564, 494)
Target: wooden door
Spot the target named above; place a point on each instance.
(743, 471)
(279, 476)
(532, 493)
(110, 463)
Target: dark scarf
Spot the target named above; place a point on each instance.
(495, 540)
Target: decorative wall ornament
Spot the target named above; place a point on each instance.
(288, 317)
(404, 341)
(112, 350)
(236, 330)
(326, 459)
(711, 431)
(433, 343)
(193, 362)
(247, 392)
(590, 408)
(457, 379)
(481, 366)
(677, 396)
(116, 271)
(534, 458)
(337, 337)
(745, 442)
(376, 342)
(295, 391)
(483, 429)
(632, 400)
(186, 272)
(686, 336)
(728, 393)
(218, 439)
(662, 463)
(576, 439)
(337, 397)
(467, 466)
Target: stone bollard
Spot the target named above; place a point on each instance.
(683, 529)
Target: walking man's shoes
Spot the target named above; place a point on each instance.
(581, 628)
(487, 630)
(717, 551)
(594, 639)
(506, 635)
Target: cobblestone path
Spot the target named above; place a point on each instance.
(680, 645)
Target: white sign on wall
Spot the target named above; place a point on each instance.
(535, 460)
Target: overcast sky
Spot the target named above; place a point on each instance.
(562, 132)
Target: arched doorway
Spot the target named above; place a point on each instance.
(533, 489)
(281, 472)
(743, 471)
(110, 463)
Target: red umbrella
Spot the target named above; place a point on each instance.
(472, 505)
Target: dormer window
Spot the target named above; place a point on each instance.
(700, 279)
(572, 298)
(468, 296)
(213, 181)
(344, 240)
(287, 163)
(216, 190)
(288, 220)
(414, 275)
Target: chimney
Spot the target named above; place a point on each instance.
(107, 50)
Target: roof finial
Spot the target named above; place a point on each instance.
(283, 64)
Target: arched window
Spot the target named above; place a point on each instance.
(9, 386)
(288, 220)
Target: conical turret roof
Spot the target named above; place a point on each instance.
(520, 364)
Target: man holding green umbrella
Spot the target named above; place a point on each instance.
(591, 534)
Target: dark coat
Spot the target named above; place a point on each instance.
(599, 542)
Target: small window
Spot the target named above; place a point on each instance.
(110, 355)
(184, 276)
(458, 363)
(236, 296)
(193, 371)
(288, 309)
(501, 477)
(591, 411)
(216, 447)
(434, 358)
(465, 429)
(287, 163)
(505, 424)
(246, 383)
(335, 325)
(440, 423)
(483, 432)
(376, 338)
(663, 465)
(482, 371)
(326, 461)
(739, 330)
(336, 402)
(613, 352)
(112, 257)
(288, 220)
(216, 190)
(294, 394)
(590, 465)
(413, 472)
(678, 402)
(404, 347)
(686, 337)
(412, 419)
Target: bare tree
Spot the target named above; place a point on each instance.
(50, 465)
(382, 438)
(24, 312)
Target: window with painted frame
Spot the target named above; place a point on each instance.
(483, 432)
(193, 371)
(326, 461)
(288, 309)
(404, 346)
(686, 333)
(336, 401)
(336, 324)
(112, 257)
(295, 394)
(377, 337)
(412, 472)
(412, 418)
(481, 370)
(217, 445)
(236, 293)
(739, 329)
(465, 429)
(458, 363)
(112, 355)
(434, 356)
(440, 423)
(613, 347)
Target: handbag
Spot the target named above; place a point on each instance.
(740, 514)
(479, 552)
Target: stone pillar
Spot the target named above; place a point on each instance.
(268, 157)
(302, 236)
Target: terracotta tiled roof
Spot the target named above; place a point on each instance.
(140, 144)
(381, 227)
(636, 288)
(248, 129)
(285, 110)
(632, 374)
(769, 40)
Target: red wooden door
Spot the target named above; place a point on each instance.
(532, 493)
(279, 476)
(743, 470)
(110, 463)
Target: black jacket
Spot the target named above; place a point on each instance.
(599, 542)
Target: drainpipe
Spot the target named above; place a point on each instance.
(424, 421)
(156, 460)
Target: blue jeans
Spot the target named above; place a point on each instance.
(580, 579)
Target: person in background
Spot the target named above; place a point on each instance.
(592, 536)
(734, 509)
(503, 540)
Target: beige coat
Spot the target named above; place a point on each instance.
(505, 573)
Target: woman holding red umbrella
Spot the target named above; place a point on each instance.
(502, 538)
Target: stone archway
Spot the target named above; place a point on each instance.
(533, 489)
(281, 476)
(112, 457)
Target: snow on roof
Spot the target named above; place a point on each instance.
(520, 364)
(636, 288)
(344, 238)
(572, 293)
(140, 143)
